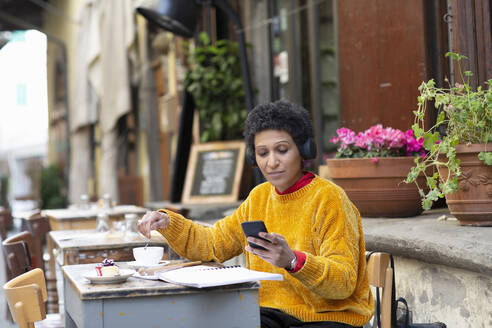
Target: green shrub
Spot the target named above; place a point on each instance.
(215, 81)
(52, 188)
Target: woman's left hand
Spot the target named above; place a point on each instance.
(277, 250)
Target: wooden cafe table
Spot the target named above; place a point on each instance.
(154, 303)
(89, 246)
(75, 218)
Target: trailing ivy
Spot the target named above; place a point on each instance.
(466, 116)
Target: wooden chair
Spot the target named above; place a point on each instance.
(26, 296)
(38, 225)
(381, 276)
(17, 254)
(6, 221)
(17, 258)
(3, 227)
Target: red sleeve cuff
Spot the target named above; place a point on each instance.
(301, 259)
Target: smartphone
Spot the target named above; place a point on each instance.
(252, 228)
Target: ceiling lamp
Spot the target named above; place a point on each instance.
(178, 17)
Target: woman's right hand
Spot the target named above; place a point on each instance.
(152, 220)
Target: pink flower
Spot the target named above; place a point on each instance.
(377, 141)
(394, 138)
(345, 136)
(375, 135)
(362, 141)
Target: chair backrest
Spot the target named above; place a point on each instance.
(24, 236)
(380, 275)
(6, 221)
(38, 225)
(26, 295)
(16, 251)
(3, 226)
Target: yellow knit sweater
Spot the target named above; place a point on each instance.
(317, 219)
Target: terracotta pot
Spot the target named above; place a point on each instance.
(376, 185)
(472, 203)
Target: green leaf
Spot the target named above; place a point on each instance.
(455, 56)
(430, 139)
(426, 204)
(442, 99)
(205, 137)
(485, 157)
(431, 182)
(440, 118)
(204, 38)
(412, 175)
(417, 131)
(434, 194)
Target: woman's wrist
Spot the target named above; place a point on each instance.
(300, 259)
(292, 264)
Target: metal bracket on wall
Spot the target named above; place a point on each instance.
(448, 19)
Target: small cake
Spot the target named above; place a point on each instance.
(107, 269)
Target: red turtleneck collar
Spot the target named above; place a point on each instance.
(303, 181)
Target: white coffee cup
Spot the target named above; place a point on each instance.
(150, 255)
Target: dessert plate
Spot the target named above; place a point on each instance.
(95, 279)
(136, 265)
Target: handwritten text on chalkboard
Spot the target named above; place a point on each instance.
(214, 173)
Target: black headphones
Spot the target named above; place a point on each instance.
(307, 151)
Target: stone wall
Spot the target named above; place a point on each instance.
(457, 297)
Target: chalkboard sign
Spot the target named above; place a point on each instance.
(214, 172)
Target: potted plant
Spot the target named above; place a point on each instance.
(214, 80)
(371, 165)
(458, 148)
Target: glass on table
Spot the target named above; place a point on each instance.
(84, 202)
(119, 227)
(131, 230)
(107, 201)
(102, 223)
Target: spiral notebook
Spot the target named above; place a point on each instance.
(205, 276)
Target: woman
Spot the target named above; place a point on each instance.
(315, 237)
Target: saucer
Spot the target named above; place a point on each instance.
(148, 277)
(136, 265)
(95, 279)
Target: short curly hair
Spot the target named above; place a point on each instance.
(279, 115)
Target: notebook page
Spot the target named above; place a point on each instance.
(205, 276)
